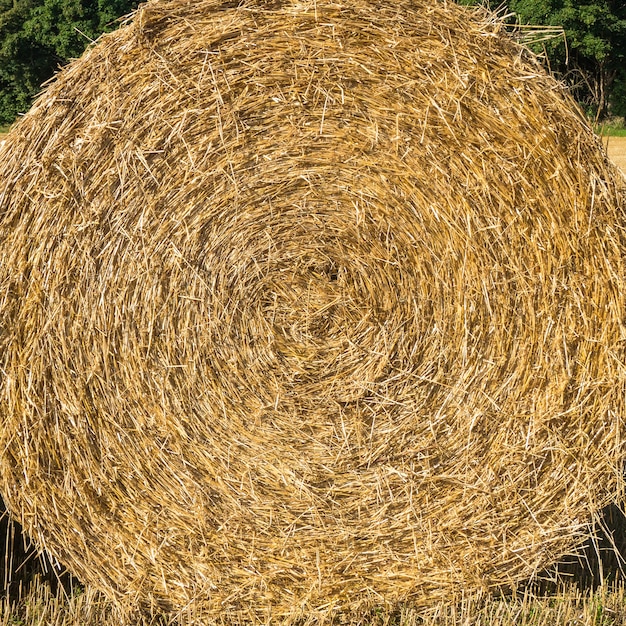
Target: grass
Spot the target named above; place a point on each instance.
(611, 132)
(612, 128)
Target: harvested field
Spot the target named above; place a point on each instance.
(308, 307)
(616, 148)
(568, 607)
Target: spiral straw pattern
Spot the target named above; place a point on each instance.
(307, 306)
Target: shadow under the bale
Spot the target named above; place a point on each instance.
(600, 561)
(21, 563)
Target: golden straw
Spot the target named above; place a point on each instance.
(308, 306)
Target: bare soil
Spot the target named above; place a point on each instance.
(616, 148)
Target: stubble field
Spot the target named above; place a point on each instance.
(616, 148)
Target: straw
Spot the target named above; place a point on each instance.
(306, 307)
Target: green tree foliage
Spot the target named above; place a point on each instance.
(24, 65)
(618, 95)
(591, 57)
(38, 36)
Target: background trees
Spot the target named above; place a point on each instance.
(24, 64)
(591, 56)
(38, 36)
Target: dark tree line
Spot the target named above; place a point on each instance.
(38, 36)
(589, 54)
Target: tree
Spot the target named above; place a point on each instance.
(591, 57)
(593, 54)
(38, 36)
(69, 26)
(618, 95)
(24, 64)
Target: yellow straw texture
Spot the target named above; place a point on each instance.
(308, 306)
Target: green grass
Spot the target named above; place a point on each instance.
(612, 129)
(612, 132)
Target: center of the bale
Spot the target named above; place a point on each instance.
(308, 309)
(325, 337)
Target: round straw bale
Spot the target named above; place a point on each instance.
(306, 306)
